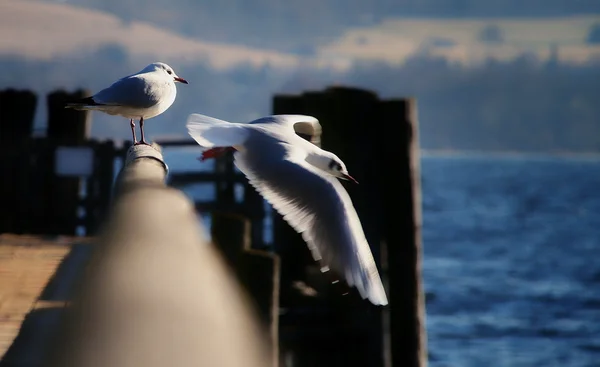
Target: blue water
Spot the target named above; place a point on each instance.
(511, 267)
(510, 262)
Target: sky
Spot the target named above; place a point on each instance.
(238, 54)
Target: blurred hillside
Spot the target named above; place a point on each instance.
(524, 79)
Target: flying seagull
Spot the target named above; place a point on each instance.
(300, 180)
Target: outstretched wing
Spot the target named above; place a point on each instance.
(320, 209)
(301, 124)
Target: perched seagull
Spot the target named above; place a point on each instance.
(143, 95)
(299, 180)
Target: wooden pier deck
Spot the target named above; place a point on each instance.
(29, 266)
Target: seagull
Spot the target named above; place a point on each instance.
(300, 180)
(142, 95)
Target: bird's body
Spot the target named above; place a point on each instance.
(139, 96)
(121, 97)
(299, 180)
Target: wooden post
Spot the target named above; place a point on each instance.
(231, 235)
(254, 210)
(360, 129)
(225, 186)
(155, 294)
(349, 132)
(39, 174)
(17, 111)
(343, 114)
(258, 271)
(401, 189)
(99, 185)
(105, 163)
(289, 245)
(66, 127)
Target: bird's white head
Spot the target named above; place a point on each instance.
(164, 68)
(331, 164)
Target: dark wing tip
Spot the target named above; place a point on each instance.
(88, 101)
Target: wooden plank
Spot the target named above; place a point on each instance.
(27, 263)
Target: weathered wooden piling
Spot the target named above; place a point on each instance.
(342, 115)
(17, 109)
(361, 130)
(156, 293)
(65, 125)
(43, 175)
(225, 185)
(256, 270)
(402, 229)
(99, 185)
(292, 249)
(66, 128)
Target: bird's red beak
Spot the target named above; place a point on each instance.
(350, 178)
(181, 80)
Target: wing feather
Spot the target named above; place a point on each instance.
(321, 210)
(132, 91)
(211, 132)
(301, 124)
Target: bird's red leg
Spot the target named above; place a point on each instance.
(132, 124)
(215, 153)
(143, 141)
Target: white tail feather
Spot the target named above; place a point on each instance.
(210, 132)
(196, 118)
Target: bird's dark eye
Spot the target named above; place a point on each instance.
(335, 165)
(170, 72)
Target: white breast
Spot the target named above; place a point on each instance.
(165, 102)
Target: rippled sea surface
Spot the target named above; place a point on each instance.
(511, 261)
